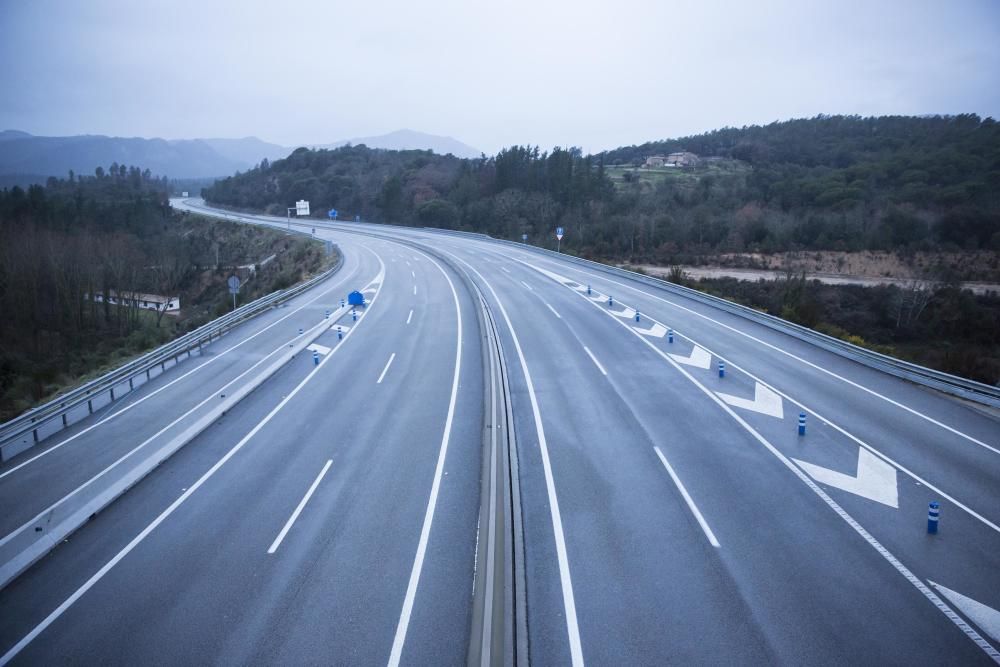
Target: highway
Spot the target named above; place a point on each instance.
(671, 511)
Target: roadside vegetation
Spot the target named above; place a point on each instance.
(114, 233)
(942, 327)
(914, 197)
(903, 184)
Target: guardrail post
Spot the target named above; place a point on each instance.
(112, 393)
(62, 406)
(147, 375)
(34, 434)
(90, 407)
(131, 387)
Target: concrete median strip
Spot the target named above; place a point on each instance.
(28, 546)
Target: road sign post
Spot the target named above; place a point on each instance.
(559, 235)
(301, 208)
(234, 287)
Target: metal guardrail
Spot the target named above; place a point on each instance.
(951, 384)
(59, 408)
(971, 390)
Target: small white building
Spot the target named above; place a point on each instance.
(170, 305)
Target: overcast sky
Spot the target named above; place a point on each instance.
(489, 73)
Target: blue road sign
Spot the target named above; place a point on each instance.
(357, 218)
(332, 213)
(559, 233)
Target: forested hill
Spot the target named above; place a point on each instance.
(830, 182)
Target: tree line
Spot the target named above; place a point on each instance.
(825, 183)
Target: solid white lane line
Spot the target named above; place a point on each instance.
(425, 530)
(97, 576)
(169, 384)
(553, 311)
(565, 579)
(825, 497)
(687, 498)
(386, 369)
(594, 359)
(810, 364)
(114, 464)
(527, 286)
(408, 317)
(298, 510)
(805, 408)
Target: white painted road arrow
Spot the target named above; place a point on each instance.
(698, 358)
(764, 401)
(628, 313)
(987, 618)
(656, 331)
(876, 479)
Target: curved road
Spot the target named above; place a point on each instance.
(671, 513)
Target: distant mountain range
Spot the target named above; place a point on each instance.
(401, 140)
(25, 158)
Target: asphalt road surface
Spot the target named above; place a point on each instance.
(672, 512)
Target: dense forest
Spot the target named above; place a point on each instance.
(830, 182)
(114, 233)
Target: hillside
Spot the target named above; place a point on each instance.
(406, 140)
(910, 188)
(26, 159)
(115, 233)
(57, 156)
(826, 183)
